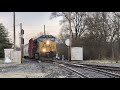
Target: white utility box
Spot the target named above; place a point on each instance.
(76, 53)
(16, 57)
(8, 53)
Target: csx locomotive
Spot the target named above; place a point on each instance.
(43, 47)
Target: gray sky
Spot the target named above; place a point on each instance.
(33, 24)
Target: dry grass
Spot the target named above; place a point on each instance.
(101, 61)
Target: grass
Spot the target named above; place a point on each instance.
(101, 61)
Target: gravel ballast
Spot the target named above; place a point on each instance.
(33, 69)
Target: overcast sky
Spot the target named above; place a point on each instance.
(33, 24)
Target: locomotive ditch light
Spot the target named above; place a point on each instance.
(44, 50)
(52, 49)
(48, 42)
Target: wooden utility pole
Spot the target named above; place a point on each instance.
(22, 42)
(14, 28)
(44, 30)
(70, 37)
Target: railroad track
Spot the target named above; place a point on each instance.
(73, 71)
(106, 68)
(111, 68)
(101, 71)
(70, 70)
(93, 69)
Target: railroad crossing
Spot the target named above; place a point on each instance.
(87, 46)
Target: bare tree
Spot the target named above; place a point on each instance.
(97, 27)
(77, 20)
(116, 25)
(98, 32)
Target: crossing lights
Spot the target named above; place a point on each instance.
(22, 32)
(22, 40)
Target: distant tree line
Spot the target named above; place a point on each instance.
(4, 40)
(97, 32)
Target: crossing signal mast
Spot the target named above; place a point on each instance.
(22, 42)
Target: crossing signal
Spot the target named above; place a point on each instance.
(22, 31)
(22, 40)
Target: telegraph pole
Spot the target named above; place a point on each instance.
(14, 28)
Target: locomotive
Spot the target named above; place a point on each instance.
(42, 48)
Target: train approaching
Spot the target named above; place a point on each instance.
(41, 48)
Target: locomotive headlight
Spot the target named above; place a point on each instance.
(48, 42)
(44, 50)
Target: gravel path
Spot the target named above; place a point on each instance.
(32, 69)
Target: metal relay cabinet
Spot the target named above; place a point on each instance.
(8, 53)
(76, 53)
(15, 56)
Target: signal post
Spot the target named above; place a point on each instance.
(22, 43)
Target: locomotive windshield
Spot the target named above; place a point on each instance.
(46, 37)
